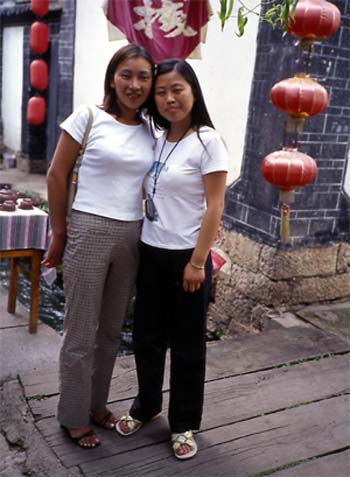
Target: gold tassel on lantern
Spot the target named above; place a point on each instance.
(284, 229)
(286, 197)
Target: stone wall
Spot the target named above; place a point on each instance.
(264, 275)
(259, 280)
(321, 212)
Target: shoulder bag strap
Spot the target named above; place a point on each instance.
(82, 148)
(73, 180)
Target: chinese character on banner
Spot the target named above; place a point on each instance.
(167, 28)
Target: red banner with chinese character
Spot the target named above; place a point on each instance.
(167, 28)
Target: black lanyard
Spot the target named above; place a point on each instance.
(161, 165)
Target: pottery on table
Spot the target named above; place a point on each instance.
(8, 206)
(26, 204)
(7, 194)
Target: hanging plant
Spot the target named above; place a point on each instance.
(277, 13)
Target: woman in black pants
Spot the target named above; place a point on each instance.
(185, 196)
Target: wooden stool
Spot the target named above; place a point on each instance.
(33, 277)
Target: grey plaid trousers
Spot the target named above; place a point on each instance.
(99, 269)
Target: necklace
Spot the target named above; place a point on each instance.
(161, 165)
(151, 211)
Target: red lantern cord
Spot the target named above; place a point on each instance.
(304, 59)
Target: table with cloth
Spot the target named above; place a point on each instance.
(24, 233)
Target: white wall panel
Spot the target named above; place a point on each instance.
(12, 80)
(225, 71)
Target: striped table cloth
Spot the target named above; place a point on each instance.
(23, 229)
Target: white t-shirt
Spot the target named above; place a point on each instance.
(180, 195)
(116, 160)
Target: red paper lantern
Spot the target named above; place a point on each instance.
(288, 168)
(36, 110)
(39, 37)
(39, 76)
(299, 97)
(39, 7)
(314, 20)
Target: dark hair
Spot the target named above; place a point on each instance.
(199, 116)
(110, 101)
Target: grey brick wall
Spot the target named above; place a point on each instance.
(321, 212)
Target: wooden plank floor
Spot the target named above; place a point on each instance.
(276, 404)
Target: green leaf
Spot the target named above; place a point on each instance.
(222, 13)
(278, 13)
(241, 22)
(294, 6)
(230, 8)
(225, 11)
(273, 15)
(291, 17)
(285, 14)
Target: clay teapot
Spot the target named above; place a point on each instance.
(8, 206)
(26, 204)
(7, 194)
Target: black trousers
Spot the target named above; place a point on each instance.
(167, 316)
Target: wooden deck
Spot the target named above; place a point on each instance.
(276, 404)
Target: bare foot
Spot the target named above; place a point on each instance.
(124, 426)
(183, 449)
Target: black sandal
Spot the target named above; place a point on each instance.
(76, 440)
(104, 421)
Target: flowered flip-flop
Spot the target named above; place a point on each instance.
(184, 438)
(132, 424)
